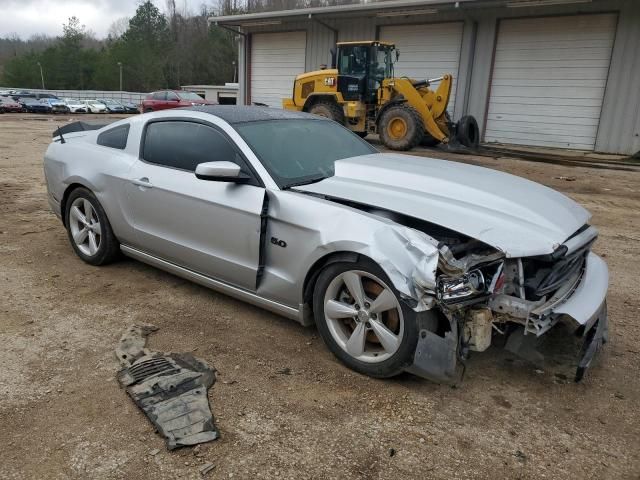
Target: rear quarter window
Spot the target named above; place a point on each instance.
(115, 137)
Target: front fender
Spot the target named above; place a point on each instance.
(408, 257)
(313, 228)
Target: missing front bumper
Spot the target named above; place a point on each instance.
(563, 347)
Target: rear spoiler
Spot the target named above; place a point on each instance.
(77, 127)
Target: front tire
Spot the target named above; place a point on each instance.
(89, 230)
(400, 127)
(362, 320)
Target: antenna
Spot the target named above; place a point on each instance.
(62, 140)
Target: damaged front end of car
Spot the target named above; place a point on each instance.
(484, 294)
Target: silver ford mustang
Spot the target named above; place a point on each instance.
(403, 263)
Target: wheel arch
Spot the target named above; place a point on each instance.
(312, 274)
(65, 197)
(316, 97)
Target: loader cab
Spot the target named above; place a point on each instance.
(362, 66)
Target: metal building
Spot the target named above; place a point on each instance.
(553, 73)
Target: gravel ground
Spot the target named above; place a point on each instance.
(62, 414)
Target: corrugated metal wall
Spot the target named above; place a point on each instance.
(619, 130)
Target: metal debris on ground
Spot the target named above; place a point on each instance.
(170, 388)
(206, 468)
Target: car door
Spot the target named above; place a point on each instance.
(158, 100)
(211, 227)
(173, 100)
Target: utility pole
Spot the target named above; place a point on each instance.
(235, 71)
(41, 75)
(120, 65)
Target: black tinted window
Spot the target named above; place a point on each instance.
(186, 144)
(115, 137)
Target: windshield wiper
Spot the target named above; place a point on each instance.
(308, 181)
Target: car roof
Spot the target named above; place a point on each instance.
(234, 114)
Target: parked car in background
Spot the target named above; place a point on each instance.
(172, 99)
(8, 104)
(131, 107)
(403, 263)
(32, 105)
(95, 106)
(57, 105)
(113, 106)
(36, 95)
(75, 106)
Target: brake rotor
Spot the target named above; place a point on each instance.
(389, 318)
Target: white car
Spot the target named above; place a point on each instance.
(94, 106)
(403, 263)
(75, 106)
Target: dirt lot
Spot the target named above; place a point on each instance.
(62, 414)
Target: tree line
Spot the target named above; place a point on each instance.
(155, 50)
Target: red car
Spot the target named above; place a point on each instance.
(172, 99)
(8, 104)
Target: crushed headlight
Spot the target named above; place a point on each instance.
(459, 288)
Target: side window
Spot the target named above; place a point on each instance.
(160, 95)
(115, 137)
(172, 96)
(184, 145)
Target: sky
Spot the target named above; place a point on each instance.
(29, 17)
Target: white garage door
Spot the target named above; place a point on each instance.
(276, 59)
(427, 51)
(548, 83)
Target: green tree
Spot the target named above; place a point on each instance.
(143, 48)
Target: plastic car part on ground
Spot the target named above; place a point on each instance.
(170, 388)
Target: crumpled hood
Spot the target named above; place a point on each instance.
(517, 216)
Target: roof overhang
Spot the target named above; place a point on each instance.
(389, 7)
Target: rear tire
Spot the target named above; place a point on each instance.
(400, 127)
(467, 132)
(147, 110)
(328, 109)
(395, 323)
(89, 230)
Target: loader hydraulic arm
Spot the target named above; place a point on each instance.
(429, 108)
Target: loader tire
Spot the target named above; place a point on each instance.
(467, 132)
(328, 109)
(400, 127)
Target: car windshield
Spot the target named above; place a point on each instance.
(297, 152)
(190, 96)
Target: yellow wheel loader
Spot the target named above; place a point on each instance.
(361, 92)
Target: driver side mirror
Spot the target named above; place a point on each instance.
(221, 172)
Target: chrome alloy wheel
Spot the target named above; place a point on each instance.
(364, 316)
(85, 226)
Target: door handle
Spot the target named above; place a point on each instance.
(142, 182)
